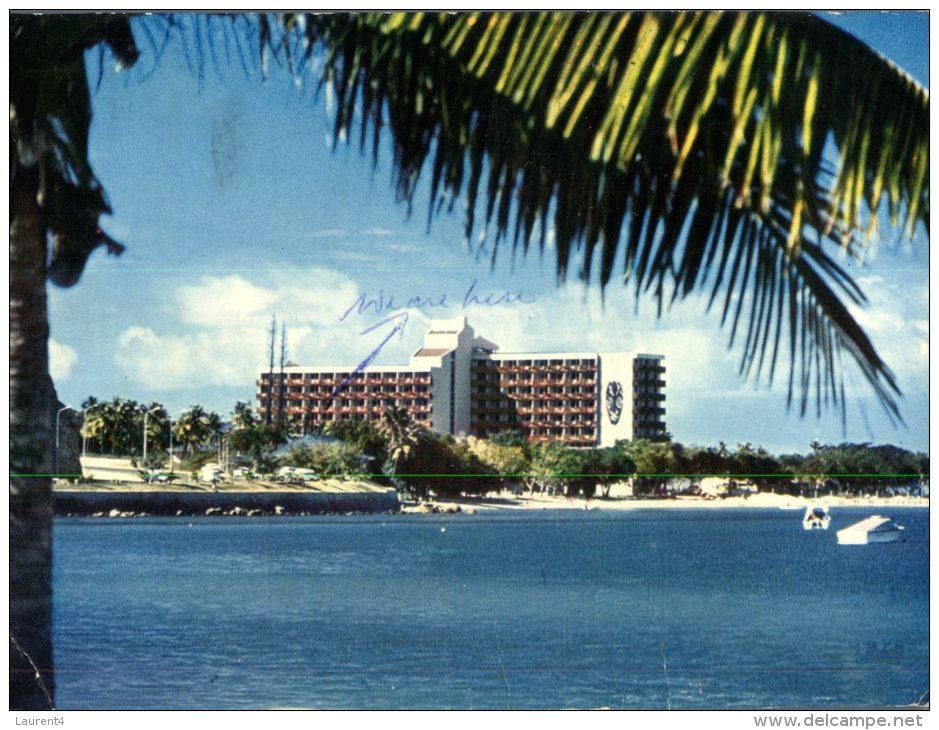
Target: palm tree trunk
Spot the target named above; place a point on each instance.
(32, 681)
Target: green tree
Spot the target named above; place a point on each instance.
(258, 441)
(363, 435)
(115, 427)
(505, 457)
(214, 422)
(629, 129)
(602, 467)
(337, 459)
(701, 461)
(655, 461)
(420, 461)
(94, 425)
(464, 472)
(858, 468)
(410, 452)
(122, 415)
(243, 416)
(554, 467)
(509, 438)
(401, 435)
(757, 465)
(194, 428)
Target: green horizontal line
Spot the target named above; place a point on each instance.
(646, 476)
(633, 475)
(54, 476)
(340, 269)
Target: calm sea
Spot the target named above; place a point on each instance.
(556, 609)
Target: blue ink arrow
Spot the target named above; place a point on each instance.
(400, 320)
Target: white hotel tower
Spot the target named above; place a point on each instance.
(459, 384)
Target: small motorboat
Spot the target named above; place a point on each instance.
(873, 529)
(816, 518)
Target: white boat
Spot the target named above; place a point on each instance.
(873, 529)
(816, 518)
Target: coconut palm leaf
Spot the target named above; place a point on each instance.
(50, 118)
(721, 152)
(679, 152)
(194, 428)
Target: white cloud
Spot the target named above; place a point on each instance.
(224, 301)
(62, 360)
(221, 336)
(160, 361)
(223, 331)
(572, 319)
(894, 321)
(318, 296)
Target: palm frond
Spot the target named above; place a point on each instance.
(725, 153)
(50, 118)
(697, 145)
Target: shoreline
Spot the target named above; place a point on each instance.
(116, 502)
(123, 500)
(757, 501)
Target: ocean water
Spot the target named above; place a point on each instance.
(650, 609)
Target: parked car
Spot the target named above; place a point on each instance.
(160, 477)
(210, 473)
(296, 474)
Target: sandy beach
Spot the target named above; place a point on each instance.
(508, 502)
(245, 490)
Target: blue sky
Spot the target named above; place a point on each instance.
(234, 207)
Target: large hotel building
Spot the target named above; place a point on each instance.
(458, 383)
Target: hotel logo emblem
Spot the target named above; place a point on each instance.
(614, 401)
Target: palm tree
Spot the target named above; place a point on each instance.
(401, 435)
(416, 459)
(127, 418)
(243, 416)
(93, 423)
(216, 428)
(194, 428)
(259, 440)
(694, 142)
